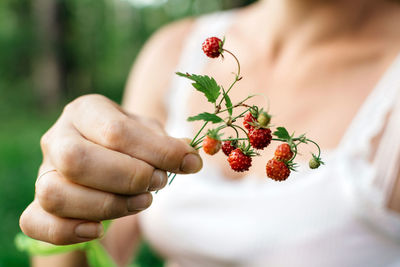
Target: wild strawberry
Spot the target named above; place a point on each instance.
(260, 138)
(248, 120)
(212, 47)
(227, 147)
(211, 146)
(283, 152)
(238, 161)
(264, 119)
(315, 162)
(277, 170)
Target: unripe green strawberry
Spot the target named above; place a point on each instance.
(264, 119)
(314, 164)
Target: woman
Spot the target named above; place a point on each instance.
(318, 62)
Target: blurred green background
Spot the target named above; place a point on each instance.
(52, 51)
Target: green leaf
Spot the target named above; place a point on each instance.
(36, 247)
(204, 84)
(106, 224)
(206, 117)
(228, 104)
(97, 256)
(282, 133)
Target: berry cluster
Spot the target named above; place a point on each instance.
(256, 122)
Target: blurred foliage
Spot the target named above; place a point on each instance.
(94, 43)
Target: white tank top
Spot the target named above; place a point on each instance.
(333, 216)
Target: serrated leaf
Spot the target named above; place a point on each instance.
(204, 84)
(282, 133)
(206, 117)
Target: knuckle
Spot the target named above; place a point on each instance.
(172, 154)
(45, 141)
(24, 222)
(113, 207)
(69, 107)
(113, 132)
(81, 101)
(57, 235)
(50, 196)
(71, 158)
(139, 182)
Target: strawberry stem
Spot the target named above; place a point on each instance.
(236, 126)
(240, 104)
(201, 129)
(172, 179)
(241, 114)
(237, 61)
(237, 78)
(234, 139)
(319, 149)
(237, 133)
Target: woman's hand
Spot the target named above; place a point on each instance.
(105, 162)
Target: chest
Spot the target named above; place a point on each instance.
(303, 97)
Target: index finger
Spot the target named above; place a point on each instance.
(100, 121)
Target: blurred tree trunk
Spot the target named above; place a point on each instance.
(47, 67)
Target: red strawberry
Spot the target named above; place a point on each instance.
(239, 161)
(212, 47)
(248, 120)
(260, 138)
(211, 145)
(227, 147)
(283, 152)
(277, 170)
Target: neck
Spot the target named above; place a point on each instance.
(311, 22)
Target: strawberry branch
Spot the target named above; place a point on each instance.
(255, 120)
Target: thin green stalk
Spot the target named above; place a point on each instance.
(240, 104)
(237, 133)
(234, 139)
(201, 129)
(319, 149)
(236, 126)
(172, 179)
(237, 61)
(237, 78)
(241, 114)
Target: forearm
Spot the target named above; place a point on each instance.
(75, 259)
(122, 239)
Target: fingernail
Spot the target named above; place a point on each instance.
(191, 163)
(89, 230)
(139, 202)
(158, 180)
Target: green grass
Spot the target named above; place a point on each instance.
(20, 157)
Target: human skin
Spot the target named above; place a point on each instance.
(306, 60)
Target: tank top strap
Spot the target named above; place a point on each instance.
(386, 161)
(370, 182)
(192, 60)
(357, 139)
